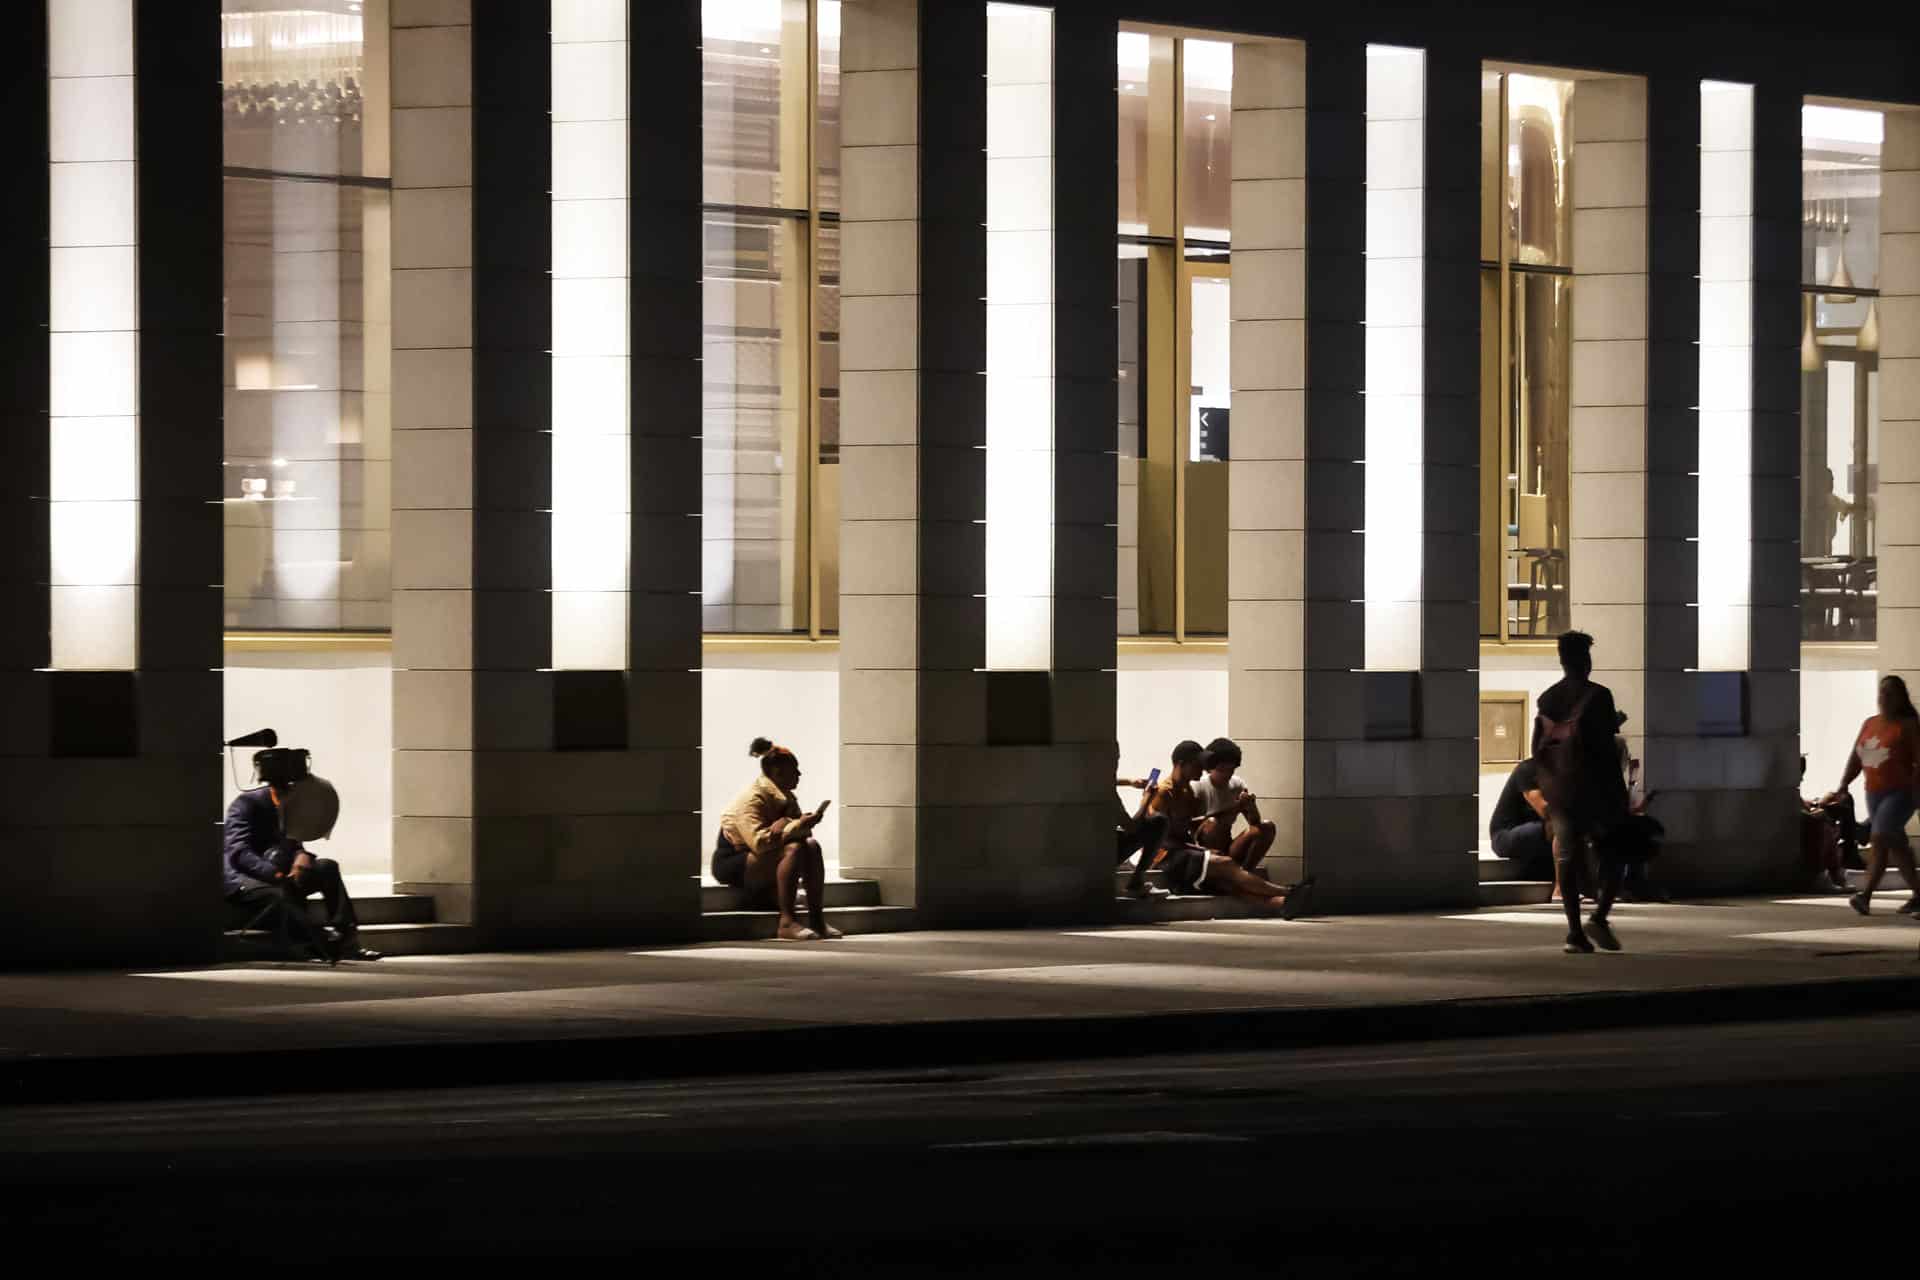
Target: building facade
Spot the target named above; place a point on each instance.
(523, 404)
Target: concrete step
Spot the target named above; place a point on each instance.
(1184, 906)
(1493, 867)
(389, 908)
(747, 926)
(840, 893)
(1513, 893)
(390, 939)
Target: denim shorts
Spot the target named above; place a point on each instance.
(1888, 811)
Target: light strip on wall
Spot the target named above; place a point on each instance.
(94, 336)
(1019, 337)
(591, 490)
(1726, 373)
(1395, 353)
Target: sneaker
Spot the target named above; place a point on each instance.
(1861, 902)
(1577, 944)
(1299, 898)
(1602, 933)
(1145, 891)
(1911, 906)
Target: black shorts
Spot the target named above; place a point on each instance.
(1186, 869)
(729, 863)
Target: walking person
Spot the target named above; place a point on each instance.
(1579, 772)
(1885, 751)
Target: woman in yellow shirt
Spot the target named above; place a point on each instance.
(766, 845)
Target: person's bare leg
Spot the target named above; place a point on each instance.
(1902, 852)
(1567, 870)
(1252, 844)
(786, 889)
(1224, 872)
(815, 870)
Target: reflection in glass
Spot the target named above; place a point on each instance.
(1535, 538)
(826, 125)
(752, 59)
(1132, 84)
(752, 408)
(826, 498)
(304, 86)
(1209, 377)
(307, 427)
(1840, 372)
(1206, 173)
(1538, 198)
(1130, 293)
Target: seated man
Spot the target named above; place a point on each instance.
(270, 877)
(1519, 823)
(1191, 868)
(1224, 799)
(1138, 831)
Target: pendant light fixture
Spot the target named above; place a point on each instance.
(1869, 338)
(1812, 359)
(1842, 278)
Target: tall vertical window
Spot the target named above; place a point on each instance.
(770, 397)
(1839, 371)
(93, 335)
(1175, 312)
(308, 350)
(1726, 374)
(1526, 278)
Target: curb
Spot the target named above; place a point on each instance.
(924, 1045)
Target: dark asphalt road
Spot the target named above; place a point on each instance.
(1766, 1145)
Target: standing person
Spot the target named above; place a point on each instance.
(1886, 752)
(1224, 797)
(1138, 831)
(766, 844)
(1195, 869)
(1579, 770)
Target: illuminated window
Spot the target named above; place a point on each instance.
(1174, 291)
(1526, 297)
(1839, 371)
(770, 398)
(308, 348)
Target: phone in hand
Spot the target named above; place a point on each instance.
(821, 812)
(1153, 779)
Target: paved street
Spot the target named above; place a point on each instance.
(1484, 959)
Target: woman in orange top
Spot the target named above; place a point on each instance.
(1888, 752)
(766, 846)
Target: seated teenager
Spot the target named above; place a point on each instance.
(269, 877)
(1224, 799)
(1193, 868)
(1137, 831)
(766, 845)
(1519, 824)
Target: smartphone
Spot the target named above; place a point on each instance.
(821, 811)
(1153, 778)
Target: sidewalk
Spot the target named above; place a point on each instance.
(915, 998)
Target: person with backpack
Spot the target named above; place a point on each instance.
(1579, 771)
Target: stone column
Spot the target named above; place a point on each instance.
(1267, 502)
(433, 456)
(1898, 530)
(539, 805)
(938, 757)
(1445, 769)
(112, 777)
(1607, 557)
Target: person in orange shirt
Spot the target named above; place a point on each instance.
(766, 846)
(1888, 753)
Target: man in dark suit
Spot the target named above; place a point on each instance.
(270, 877)
(1579, 769)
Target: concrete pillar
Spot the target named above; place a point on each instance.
(939, 758)
(1267, 495)
(1898, 531)
(1445, 769)
(539, 805)
(113, 777)
(1607, 560)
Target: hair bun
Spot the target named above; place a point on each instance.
(760, 747)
